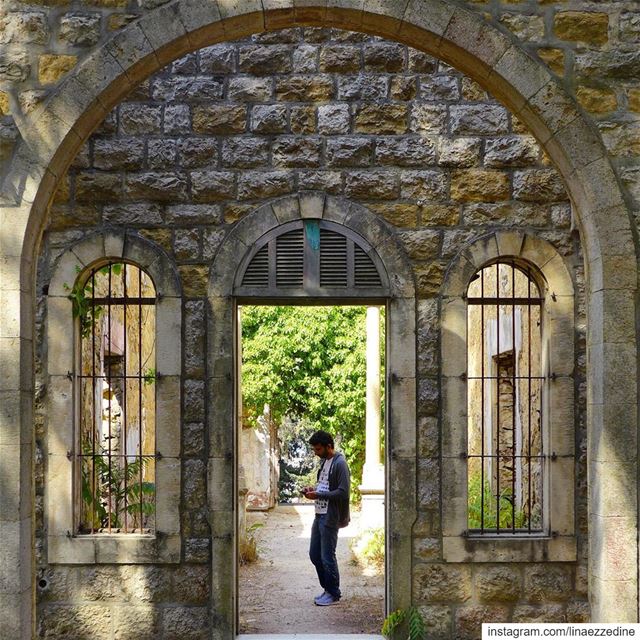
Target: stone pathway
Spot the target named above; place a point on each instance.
(276, 592)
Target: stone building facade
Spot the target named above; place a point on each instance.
(447, 135)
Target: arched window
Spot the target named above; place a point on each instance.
(508, 421)
(505, 390)
(113, 394)
(114, 307)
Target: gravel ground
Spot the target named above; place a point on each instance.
(276, 592)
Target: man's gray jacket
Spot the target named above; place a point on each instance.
(338, 495)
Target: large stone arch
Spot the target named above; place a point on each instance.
(53, 134)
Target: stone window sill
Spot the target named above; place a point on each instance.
(114, 549)
(512, 549)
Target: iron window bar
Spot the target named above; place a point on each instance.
(116, 486)
(503, 303)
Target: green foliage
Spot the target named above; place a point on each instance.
(248, 551)
(309, 363)
(368, 548)
(149, 376)
(476, 499)
(121, 485)
(81, 294)
(415, 625)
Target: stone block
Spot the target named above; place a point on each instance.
(544, 583)
(442, 583)
(113, 154)
(421, 244)
(590, 27)
(270, 118)
(305, 59)
(429, 279)
(404, 151)
(301, 88)
(136, 119)
(197, 152)
(24, 27)
(334, 119)
(597, 100)
(372, 185)
(542, 613)
(458, 152)
(250, 89)
(61, 622)
(382, 119)
(384, 57)
(363, 87)
(220, 119)
(191, 585)
(438, 88)
(219, 58)
(538, 185)
(14, 67)
(244, 152)
(93, 187)
(80, 29)
(523, 26)
(498, 583)
(340, 58)
(290, 151)
(478, 119)
(399, 215)
(404, 88)
(52, 67)
(194, 279)
(186, 88)
(327, 181)
(185, 623)
(142, 623)
(261, 60)
(156, 186)
(349, 151)
(253, 185)
(424, 186)
(469, 619)
(479, 185)
(303, 120)
(428, 118)
(207, 185)
(511, 151)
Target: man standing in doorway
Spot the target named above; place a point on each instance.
(332, 513)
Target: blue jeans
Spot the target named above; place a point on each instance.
(322, 552)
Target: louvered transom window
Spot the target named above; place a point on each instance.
(311, 257)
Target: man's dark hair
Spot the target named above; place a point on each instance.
(321, 437)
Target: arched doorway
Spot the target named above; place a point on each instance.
(379, 275)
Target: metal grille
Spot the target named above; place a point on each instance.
(505, 387)
(290, 259)
(333, 259)
(115, 311)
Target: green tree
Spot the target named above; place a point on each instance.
(309, 363)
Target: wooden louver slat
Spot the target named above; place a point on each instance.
(333, 259)
(365, 272)
(290, 259)
(257, 273)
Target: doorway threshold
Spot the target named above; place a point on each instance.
(309, 636)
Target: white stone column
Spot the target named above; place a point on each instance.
(372, 488)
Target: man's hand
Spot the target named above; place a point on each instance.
(311, 495)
